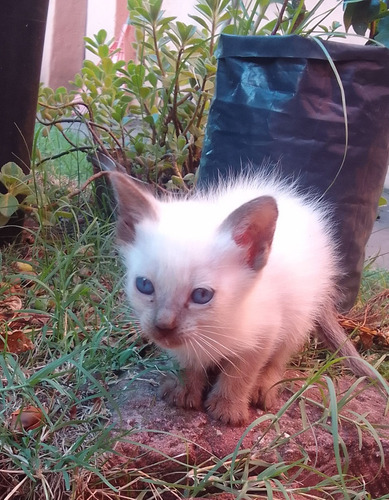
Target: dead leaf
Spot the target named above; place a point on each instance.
(366, 339)
(24, 267)
(27, 418)
(16, 342)
(370, 321)
(29, 320)
(11, 289)
(73, 412)
(9, 306)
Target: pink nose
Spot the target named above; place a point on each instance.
(165, 322)
(165, 329)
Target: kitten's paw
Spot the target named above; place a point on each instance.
(266, 399)
(227, 411)
(176, 393)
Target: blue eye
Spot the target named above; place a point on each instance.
(202, 295)
(144, 285)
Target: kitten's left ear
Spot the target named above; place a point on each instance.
(252, 227)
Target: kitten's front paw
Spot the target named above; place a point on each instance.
(227, 411)
(176, 393)
(266, 399)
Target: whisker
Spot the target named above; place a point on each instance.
(242, 347)
(196, 354)
(210, 355)
(214, 328)
(208, 341)
(203, 341)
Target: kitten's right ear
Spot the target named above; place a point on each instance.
(134, 205)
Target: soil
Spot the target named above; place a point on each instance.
(303, 432)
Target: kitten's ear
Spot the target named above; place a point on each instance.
(252, 227)
(134, 205)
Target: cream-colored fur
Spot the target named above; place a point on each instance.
(269, 291)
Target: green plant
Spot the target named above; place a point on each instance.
(67, 285)
(16, 182)
(32, 194)
(372, 15)
(43, 193)
(23, 193)
(152, 112)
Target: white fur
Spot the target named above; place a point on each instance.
(266, 311)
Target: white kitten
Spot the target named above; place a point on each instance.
(233, 280)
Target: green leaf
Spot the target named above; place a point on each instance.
(155, 9)
(63, 214)
(142, 18)
(30, 199)
(382, 202)
(209, 86)
(359, 14)
(107, 65)
(103, 51)
(14, 179)
(20, 189)
(200, 21)
(383, 32)
(11, 169)
(137, 81)
(90, 41)
(177, 181)
(92, 67)
(230, 29)
(181, 142)
(78, 81)
(101, 36)
(144, 92)
(205, 10)
(153, 79)
(185, 31)
(8, 204)
(60, 90)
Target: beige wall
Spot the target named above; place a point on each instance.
(63, 51)
(101, 14)
(180, 9)
(67, 24)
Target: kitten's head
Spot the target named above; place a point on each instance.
(189, 268)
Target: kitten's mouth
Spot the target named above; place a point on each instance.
(167, 341)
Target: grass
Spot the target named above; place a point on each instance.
(70, 283)
(60, 158)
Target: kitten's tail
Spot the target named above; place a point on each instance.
(333, 335)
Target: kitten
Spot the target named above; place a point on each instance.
(233, 280)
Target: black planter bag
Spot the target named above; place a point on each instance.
(278, 101)
(22, 33)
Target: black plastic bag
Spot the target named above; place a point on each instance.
(278, 100)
